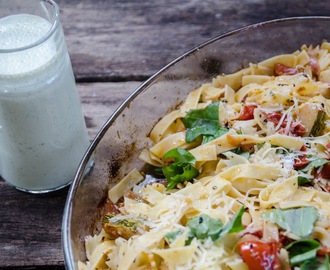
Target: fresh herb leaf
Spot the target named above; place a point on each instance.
(235, 224)
(302, 250)
(303, 181)
(171, 236)
(317, 162)
(181, 169)
(316, 264)
(179, 173)
(217, 134)
(203, 122)
(203, 226)
(299, 221)
(158, 171)
(240, 152)
(179, 155)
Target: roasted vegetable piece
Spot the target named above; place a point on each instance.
(318, 124)
(312, 117)
(121, 227)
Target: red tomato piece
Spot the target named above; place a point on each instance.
(323, 251)
(260, 255)
(325, 172)
(297, 129)
(247, 112)
(281, 69)
(274, 117)
(300, 161)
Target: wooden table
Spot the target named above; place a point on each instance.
(114, 46)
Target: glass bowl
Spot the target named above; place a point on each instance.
(116, 147)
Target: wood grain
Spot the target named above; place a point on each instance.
(131, 40)
(100, 100)
(114, 45)
(30, 225)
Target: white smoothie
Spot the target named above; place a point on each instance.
(42, 130)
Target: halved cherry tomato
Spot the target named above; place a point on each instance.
(260, 255)
(247, 112)
(301, 160)
(324, 172)
(296, 128)
(274, 117)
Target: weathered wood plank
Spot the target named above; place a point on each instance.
(130, 40)
(30, 228)
(100, 100)
(30, 225)
(120, 41)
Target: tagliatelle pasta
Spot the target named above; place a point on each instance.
(241, 179)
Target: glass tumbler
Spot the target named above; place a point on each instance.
(43, 136)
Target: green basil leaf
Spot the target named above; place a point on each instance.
(317, 162)
(179, 155)
(170, 237)
(240, 152)
(218, 133)
(316, 264)
(299, 221)
(202, 122)
(181, 169)
(234, 225)
(303, 181)
(178, 173)
(302, 250)
(203, 226)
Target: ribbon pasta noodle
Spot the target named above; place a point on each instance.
(242, 177)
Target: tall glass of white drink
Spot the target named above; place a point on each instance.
(43, 136)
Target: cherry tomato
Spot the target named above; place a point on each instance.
(324, 173)
(260, 255)
(297, 129)
(300, 161)
(247, 112)
(274, 117)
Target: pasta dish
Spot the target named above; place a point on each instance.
(240, 177)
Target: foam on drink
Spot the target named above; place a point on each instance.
(19, 31)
